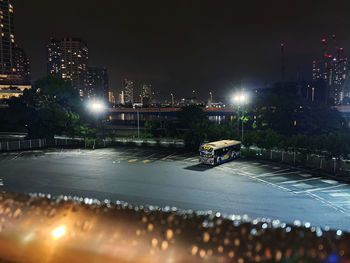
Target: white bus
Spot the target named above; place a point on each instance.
(219, 152)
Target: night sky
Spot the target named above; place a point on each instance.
(183, 45)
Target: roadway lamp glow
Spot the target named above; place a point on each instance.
(240, 98)
(96, 106)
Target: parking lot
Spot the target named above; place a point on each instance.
(164, 177)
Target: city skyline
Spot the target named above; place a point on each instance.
(190, 44)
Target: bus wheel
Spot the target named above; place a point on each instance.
(219, 161)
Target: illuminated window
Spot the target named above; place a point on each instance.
(2, 34)
(11, 10)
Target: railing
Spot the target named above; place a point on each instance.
(37, 144)
(38, 228)
(306, 160)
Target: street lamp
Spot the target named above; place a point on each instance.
(172, 99)
(138, 121)
(97, 108)
(240, 99)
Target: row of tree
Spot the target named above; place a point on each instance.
(52, 107)
(275, 120)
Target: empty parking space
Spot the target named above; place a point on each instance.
(175, 177)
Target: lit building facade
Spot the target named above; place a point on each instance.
(22, 65)
(146, 94)
(67, 58)
(332, 68)
(111, 98)
(98, 83)
(127, 91)
(7, 40)
(8, 91)
(14, 63)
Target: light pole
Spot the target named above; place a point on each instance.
(138, 122)
(172, 99)
(240, 99)
(97, 108)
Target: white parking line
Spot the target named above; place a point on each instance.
(149, 156)
(319, 189)
(301, 180)
(305, 175)
(340, 195)
(166, 157)
(277, 173)
(330, 181)
(269, 183)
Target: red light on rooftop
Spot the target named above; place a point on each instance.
(323, 40)
(282, 44)
(330, 56)
(341, 48)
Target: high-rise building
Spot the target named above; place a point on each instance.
(111, 98)
(98, 83)
(7, 40)
(14, 63)
(146, 94)
(332, 69)
(128, 91)
(67, 58)
(22, 65)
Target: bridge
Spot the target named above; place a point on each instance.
(171, 110)
(209, 111)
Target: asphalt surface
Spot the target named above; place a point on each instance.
(166, 177)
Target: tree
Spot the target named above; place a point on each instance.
(50, 108)
(152, 127)
(191, 114)
(194, 119)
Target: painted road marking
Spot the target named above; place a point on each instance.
(276, 173)
(301, 180)
(132, 160)
(302, 185)
(320, 189)
(340, 195)
(149, 156)
(305, 175)
(146, 161)
(266, 182)
(19, 154)
(166, 157)
(276, 167)
(330, 181)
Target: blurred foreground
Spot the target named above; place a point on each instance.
(37, 228)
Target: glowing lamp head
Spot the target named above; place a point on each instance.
(240, 98)
(96, 106)
(58, 232)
